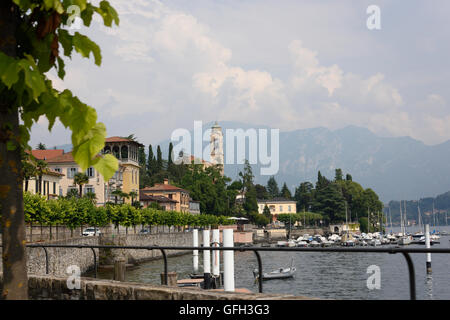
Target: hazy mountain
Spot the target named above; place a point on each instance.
(396, 168)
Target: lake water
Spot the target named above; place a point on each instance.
(330, 275)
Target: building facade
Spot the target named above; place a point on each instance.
(167, 190)
(125, 179)
(277, 206)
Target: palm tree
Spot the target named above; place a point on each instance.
(41, 168)
(91, 196)
(80, 178)
(124, 195)
(116, 193)
(133, 194)
(28, 171)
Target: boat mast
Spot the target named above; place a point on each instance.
(401, 217)
(368, 220)
(390, 217)
(405, 216)
(420, 218)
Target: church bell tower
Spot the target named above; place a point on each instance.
(216, 146)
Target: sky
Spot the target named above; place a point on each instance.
(286, 64)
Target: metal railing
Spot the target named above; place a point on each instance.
(391, 250)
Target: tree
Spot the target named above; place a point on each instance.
(250, 203)
(285, 192)
(28, 170)
(151, 162)
(261, 192)
(41, 146)
(34, 30)
(272, 188)
(80, 179)
(159, 160)
(41, 168)
(338, 175)
(267, 213)
(304, 196)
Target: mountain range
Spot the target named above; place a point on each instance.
(394, 167)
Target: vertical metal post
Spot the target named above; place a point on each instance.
(95, 262)
(412, 276)
(46, 260)
(165, 266)
(260, 272)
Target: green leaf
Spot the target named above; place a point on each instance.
(61, 71)
(66, 41)
(87, 147)
(9, 70)
(84, 46)
(108, 13)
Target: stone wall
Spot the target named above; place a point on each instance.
(138, 255)
(41, 287)
(61, 258)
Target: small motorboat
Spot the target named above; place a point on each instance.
(281, 273)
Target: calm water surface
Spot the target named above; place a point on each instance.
(325, 275)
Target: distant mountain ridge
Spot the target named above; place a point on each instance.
(394, 167)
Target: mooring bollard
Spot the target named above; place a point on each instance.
(228, 260)
(195, 252)
(119, 269)
(216, 253)
(427, 243)
(206, 260)
(172, 278)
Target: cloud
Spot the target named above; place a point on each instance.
(166, 67)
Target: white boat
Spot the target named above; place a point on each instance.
(405, 240)
(302, 244)
(281, 273)
(375, 242)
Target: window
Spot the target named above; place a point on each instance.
(90, 172)
(57, 170)
(281, 208)
(54, 187)
(289, 208)
(89, 189)
(71, 172)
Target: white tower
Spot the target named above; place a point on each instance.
(216, 145)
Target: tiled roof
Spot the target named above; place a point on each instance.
(146, 197)
(121, 139)
(47, 154)
(66, 157)
(163, 187)
(274, 200)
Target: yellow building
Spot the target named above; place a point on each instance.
(167, 190)
(49, 184)
(127, 178)
(278, 206)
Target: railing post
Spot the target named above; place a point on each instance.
(260, 276)
(165, 266)
(412, 276)
(46, 260)
(95, 262)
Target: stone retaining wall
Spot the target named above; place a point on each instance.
(61, 258)
(138, 255)
(55, 288)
